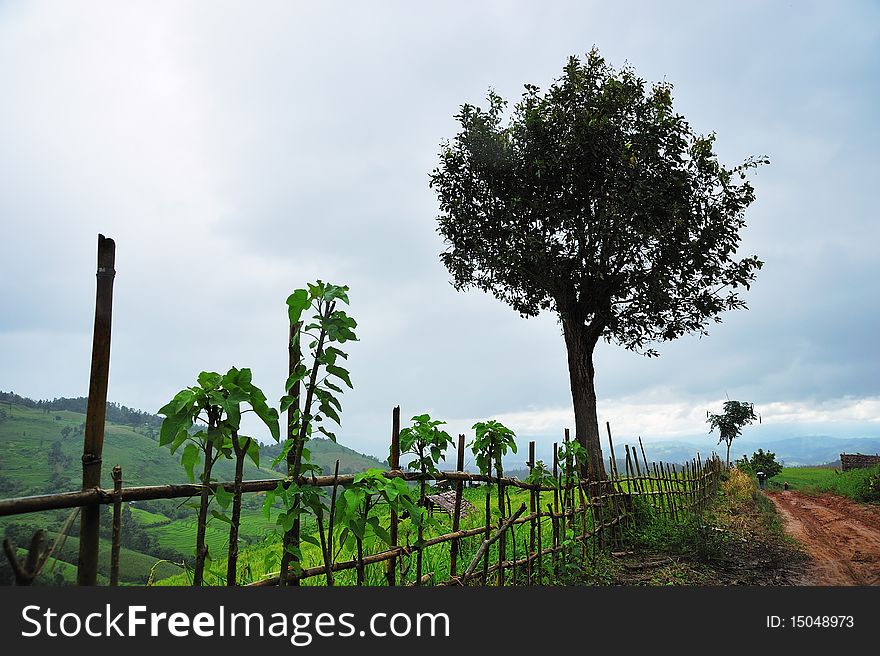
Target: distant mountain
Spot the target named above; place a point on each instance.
(812, 449)
(793, 451)
(325, 453)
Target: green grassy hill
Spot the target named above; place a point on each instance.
(40, 449)
(325, 453)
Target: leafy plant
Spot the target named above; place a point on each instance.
(492, 442)
(311, 393)
(541, 476)
(428, 444)
(356, 518)
(215, 402)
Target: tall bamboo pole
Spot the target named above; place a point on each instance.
(456, 517)
(529, 565)
(93, 438)
(394, 463)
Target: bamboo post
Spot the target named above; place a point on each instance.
(554, 510)
(394, 463)
(598, 523)
(456, 517)
(644, 457)
(502, 539)
(488, 535)
(328, 562)
(664, 470)
(117, 525)
(661, 482)
(616, 531)
(529, 567)
(554, 528)
(96, 410)
(661, 503)
(568, 492)
(699, 485)
(539, 558)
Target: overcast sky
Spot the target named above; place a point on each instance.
(237, 150)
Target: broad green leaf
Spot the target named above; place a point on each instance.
(189, 459)
(268, 502)
(297, 303)
(223, 497)
(340, 373)
(209, 380)
(253, 452)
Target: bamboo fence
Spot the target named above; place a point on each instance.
(570, 513)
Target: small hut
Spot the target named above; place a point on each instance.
(445, 501)
(857, 461)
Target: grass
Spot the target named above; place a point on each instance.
(857, 484)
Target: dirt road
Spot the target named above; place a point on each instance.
(841, 536)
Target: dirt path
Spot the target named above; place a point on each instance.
(841, 536)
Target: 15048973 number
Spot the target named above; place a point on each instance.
(822, 621)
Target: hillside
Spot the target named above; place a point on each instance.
(40, 449)
(325, 453)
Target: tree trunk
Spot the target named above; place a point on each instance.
(580, 343)
(205, 500)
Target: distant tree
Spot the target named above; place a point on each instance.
(760, 461)
(730, 423)
(598, 202)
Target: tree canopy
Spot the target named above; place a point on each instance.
(595, 200)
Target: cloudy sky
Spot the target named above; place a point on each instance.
(236, 151)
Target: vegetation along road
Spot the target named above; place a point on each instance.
(841, 535)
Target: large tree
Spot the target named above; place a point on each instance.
(595, 200)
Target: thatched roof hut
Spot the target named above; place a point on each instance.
(445, 501)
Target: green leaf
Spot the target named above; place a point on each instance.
(182, 436)
(311, 539)
(209, 380)
(297, 303)
(221, 517)
(223, 497)
(340, 373)
(172, 426)
(268, 502)
(254, 452)
(285, 449)
(189, 459)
